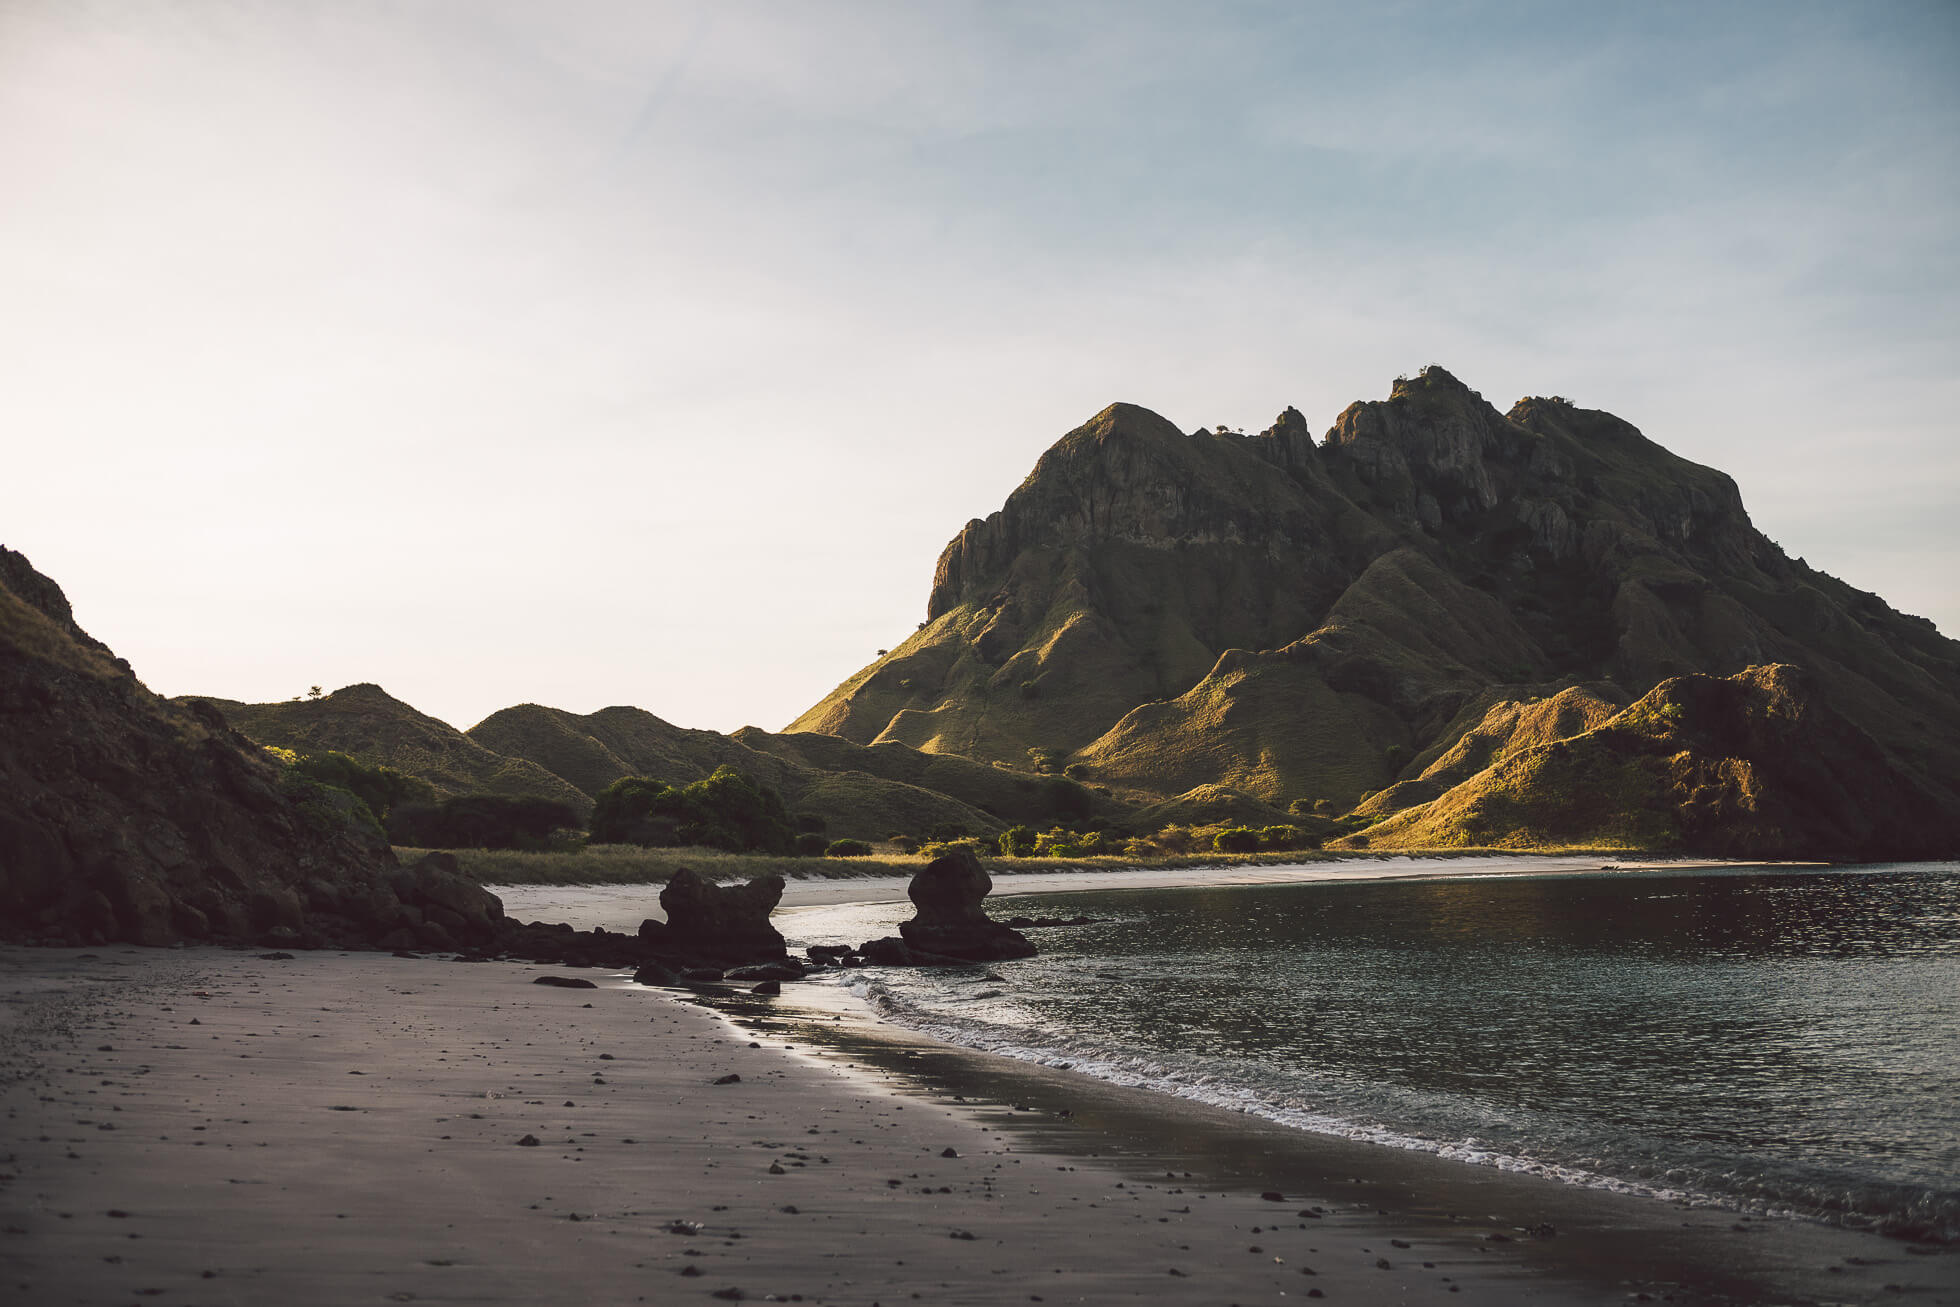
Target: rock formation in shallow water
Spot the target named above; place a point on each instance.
(726, 925)
(951, 918)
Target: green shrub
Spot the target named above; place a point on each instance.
(1176, 839)
(1281, 837)
(327, 809)
(1236, 839)
(1058, 842)
(727, 810)
(905, 844)
(848, 849)
(333, 788)
(1100, 843)
(380, 788)
(1017, 842)
(811, 844)
(940, 848)
(629, 811)
(480, 821)
(812, 822)
(946, 832)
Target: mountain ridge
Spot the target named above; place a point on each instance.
(1159, 610)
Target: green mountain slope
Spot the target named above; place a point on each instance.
(596, 749)
(368, 723)
(862, 792)
(865, 792)
(1291, 619)
(1751, 765)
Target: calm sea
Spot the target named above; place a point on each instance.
(1773, 1041)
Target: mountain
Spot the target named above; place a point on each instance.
(126, 817)
(1373, 619)
(366, 722)
(596, 749)
(860, 791)
(1751, 765)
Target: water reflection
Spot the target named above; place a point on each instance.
(1788, 1037)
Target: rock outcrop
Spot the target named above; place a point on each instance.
(951, 919)
(722, 925)
(124, 817)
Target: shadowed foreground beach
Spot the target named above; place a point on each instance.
(212, 1127)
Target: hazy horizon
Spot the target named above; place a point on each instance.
(649, 354)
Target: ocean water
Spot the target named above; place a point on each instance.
(1775, 1041)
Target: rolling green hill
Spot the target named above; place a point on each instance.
(368, 723)
(1751, 765)
(861, 792)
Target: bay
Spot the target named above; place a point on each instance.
(1776, 1041)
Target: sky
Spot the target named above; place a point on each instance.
(605, 351)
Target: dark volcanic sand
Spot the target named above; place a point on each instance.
(202, 1126)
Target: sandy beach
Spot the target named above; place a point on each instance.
(217, 1127)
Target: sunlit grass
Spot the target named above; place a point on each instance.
(625, 864)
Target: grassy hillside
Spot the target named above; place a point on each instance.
(366, 722)
(1433, 589)
(1752, 765)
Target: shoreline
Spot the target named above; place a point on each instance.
(621, 907)
(1581, 1236)
(348, 1127)
(228, 1127)
(390, 1096)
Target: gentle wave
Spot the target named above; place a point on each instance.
(1923, 1216)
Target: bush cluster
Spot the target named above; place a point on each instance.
(334, 788)
(728, 810)
(481, 821)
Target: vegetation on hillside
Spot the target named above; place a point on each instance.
(727, 811)
(1162, 632)
(485, 821)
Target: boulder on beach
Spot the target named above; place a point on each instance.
(949, 919)
(725, 924)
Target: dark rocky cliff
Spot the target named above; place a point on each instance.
(124, 817)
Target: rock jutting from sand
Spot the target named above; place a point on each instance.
(726, 925)
(950, 919)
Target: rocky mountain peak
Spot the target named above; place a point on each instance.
(1127, 475)
(1428, 448)
(1160, 611)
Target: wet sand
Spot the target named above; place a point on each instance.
(204, 1126)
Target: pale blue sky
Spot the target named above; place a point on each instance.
(636, 353)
